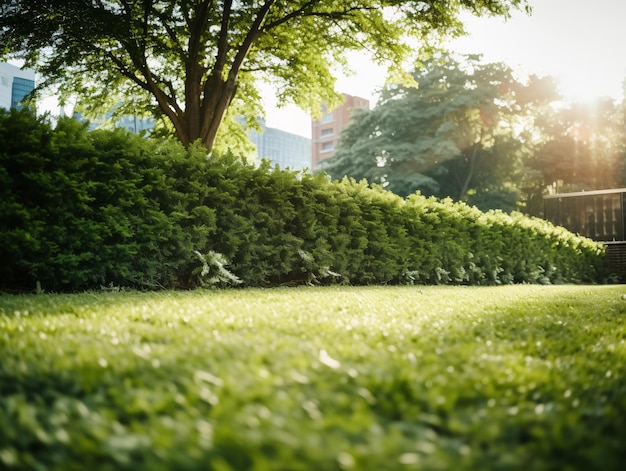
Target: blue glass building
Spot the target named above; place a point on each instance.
(15, 84)
(130, 123)
(21, 88)
(282, 148)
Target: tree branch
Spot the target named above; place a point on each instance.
(253, 34)
(173, 102)
(125, 71)
(299, 12)
(170, 33)
(167, 103)
(196, 26)
(146, 17)
(222, 43)
(302, 11)
(230, 86)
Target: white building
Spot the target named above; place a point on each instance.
(15, 84)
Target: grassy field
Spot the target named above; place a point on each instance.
(432, 378)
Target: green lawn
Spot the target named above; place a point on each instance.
(432, 378)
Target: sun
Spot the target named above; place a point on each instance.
(582, 52)
(586, 84)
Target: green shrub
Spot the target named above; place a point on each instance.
(82, 210)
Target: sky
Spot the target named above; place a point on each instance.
(580, 42)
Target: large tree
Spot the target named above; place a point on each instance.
(457, 134)
(582, 146)
(187, 60)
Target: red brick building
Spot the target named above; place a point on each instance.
(325, 132)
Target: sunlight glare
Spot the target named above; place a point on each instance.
(581, 50)
(588, 83)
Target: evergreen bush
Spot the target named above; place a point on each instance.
(82, 210)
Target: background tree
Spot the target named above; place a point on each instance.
(188, 61)
(582, 146)
(457, 134)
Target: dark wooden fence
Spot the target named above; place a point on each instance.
(599, 215)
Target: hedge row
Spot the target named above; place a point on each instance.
(81, 210)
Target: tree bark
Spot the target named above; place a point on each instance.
(206, 103)
(470, 173)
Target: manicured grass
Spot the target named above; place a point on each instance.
(435, 378)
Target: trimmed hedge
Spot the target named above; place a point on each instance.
(81, 210)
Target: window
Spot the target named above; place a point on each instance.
(328, 147)
(326, 132)
(327, 118)
(21, 88)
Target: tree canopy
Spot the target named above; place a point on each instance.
(190, 61)
(457, 134)
(582, 146)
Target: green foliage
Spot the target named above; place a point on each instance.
(331, 379)
(213, 271)
(475, 132)
(582, 147)
(83, 210)
(188, 61)
(457, 134)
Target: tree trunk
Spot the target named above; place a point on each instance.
(202, 116)
(470, 173)
(218, 96)
(206, 103)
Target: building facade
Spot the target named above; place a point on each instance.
(132, 123)
(15, 84)
(326, 131)
(282, 148)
